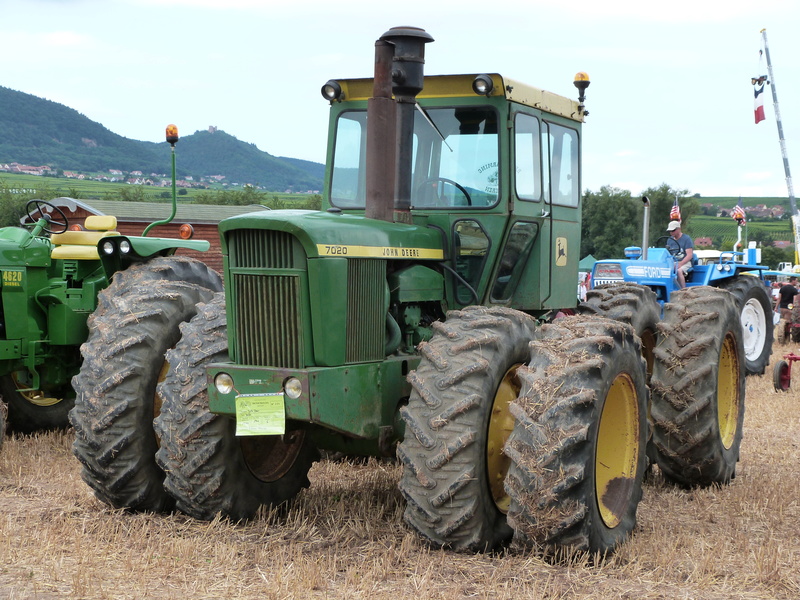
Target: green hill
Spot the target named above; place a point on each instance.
(35, 131)
(218, 153)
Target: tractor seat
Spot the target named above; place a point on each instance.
(82, 245)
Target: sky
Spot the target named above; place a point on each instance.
(670, 99)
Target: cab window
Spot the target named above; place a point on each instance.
(527, 157)
(348, 181)
(456, 158)
(562, 185)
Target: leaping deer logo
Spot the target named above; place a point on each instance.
(561, 252)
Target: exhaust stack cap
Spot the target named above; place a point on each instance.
(409, 58)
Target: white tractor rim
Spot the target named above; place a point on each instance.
(754, 328)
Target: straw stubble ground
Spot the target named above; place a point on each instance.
(344, 537)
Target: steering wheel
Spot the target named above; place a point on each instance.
(36, 206)
(662, 243)
(435, 180)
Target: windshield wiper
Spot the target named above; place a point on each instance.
(432, 124)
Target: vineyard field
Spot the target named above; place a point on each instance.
(725, 228)
(88, 189)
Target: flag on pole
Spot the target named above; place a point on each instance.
(738, 212)
(758, 90)
(675, 213)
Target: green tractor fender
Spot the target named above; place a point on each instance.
(120, 251)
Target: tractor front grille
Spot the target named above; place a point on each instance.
(268, 274)
(366, 312)
(266, 268)
(259, 249)
(268, 320)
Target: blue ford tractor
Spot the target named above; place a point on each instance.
(654, 267)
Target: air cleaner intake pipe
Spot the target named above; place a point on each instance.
(381, 157)
(406, 75)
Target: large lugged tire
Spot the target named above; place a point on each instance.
(628, 303)
(135, 324)
(457, 421)
(637, 306)
(39, 410)
(698, 387)
(209, 470)
(755, 312)
(578, 446)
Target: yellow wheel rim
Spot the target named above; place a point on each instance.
(617, 451)
(501, 423)
(36, 397)
(728, 400)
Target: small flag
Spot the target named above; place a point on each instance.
(758, 90)
(738, 212)
(675, 213)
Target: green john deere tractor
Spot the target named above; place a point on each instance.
(426, 313)
(53, 279)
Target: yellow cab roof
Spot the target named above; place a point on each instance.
(458, 86)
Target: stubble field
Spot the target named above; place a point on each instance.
(344, 536)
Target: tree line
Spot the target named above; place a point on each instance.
(612, 219)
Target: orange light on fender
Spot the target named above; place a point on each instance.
(172, 134)
(76, 227)
(186, 231)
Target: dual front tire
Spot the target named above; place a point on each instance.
(209, 471)
(136, 322)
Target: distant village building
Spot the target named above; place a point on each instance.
(25, 169)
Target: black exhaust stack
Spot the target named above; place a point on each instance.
(399, 60)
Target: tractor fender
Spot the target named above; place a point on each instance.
(149, 246)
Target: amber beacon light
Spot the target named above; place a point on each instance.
(581, 82)
(172, 134)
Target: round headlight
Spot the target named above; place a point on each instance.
(332, 91)
(483, 85)
(224, 383)
(108, 248)
(124, 246)
(293, 388)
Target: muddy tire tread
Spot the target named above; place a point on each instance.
(444, 479)
(552, 447)
(135, 323)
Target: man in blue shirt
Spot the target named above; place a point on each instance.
(681, 247)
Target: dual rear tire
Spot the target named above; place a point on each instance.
(566, 403)
(698, 388)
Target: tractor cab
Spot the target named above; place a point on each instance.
(487, 167)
